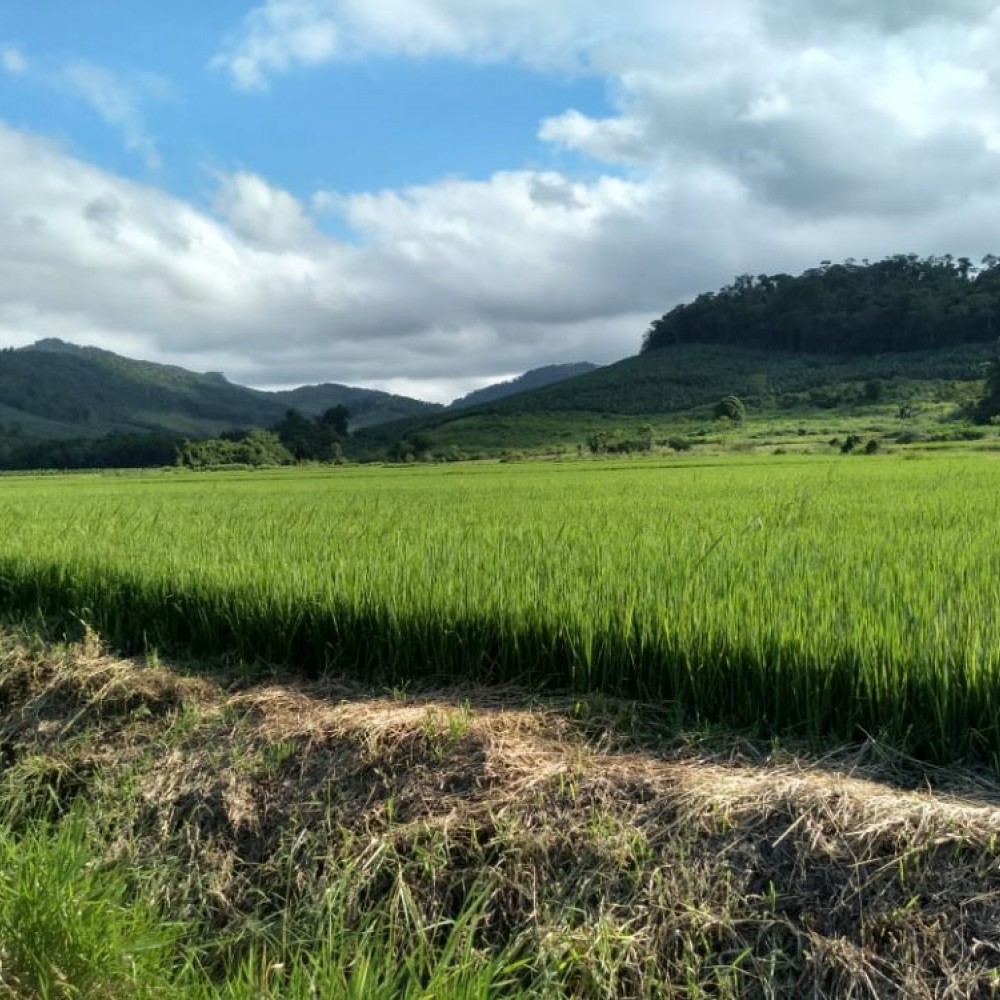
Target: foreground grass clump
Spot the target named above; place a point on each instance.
(821, 598)
(74, 925)
(179, 837)
(67, 926)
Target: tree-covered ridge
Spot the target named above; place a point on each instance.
(901, 303)
(56, 390)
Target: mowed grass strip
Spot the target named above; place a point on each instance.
(819, 598)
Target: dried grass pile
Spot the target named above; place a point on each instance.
(619, 869)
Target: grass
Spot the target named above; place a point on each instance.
(231, 842)
(74, 925)
(818, 598)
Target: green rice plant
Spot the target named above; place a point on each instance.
(818, 597)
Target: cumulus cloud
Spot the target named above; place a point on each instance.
(884, 114)
(263, 215)
(820, 107)
(436, 290)
(759, 135)
(815, 17)
(445, 286)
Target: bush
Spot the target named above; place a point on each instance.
(730, 408)
(678, 444)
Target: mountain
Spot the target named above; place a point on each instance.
(368, 407)
(53, 389)
(675, 389)
(536, 378)
(873, 343)
(854, 339)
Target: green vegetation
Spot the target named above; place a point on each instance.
(901, 303)
(90, 393)
(253, 448)
(74, 925)
(676, 390)
(54, 391)
(204, 837)
(827, 598)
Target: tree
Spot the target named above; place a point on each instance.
(319, 440)
(730, 408)
(988, 406)
(901, 303)
(335, 419)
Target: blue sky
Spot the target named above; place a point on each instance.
(368, 124)
(429, 195)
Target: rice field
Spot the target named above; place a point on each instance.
(814, 598)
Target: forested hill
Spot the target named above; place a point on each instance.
(53, 389)
(901, 303)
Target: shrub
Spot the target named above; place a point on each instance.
(730, 408)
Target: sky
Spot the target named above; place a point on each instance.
(426, 196)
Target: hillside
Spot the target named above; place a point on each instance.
(852, 339)
(55, 390)
(536, 378)
(840, 348)
(900, 303)
(675, 389)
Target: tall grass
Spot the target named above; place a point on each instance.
(68, 924)
(72, 925)
(820, 598)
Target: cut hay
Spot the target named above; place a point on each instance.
(633, 870)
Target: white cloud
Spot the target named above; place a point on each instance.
(277, 36)
(881, 114)
(261, 294)
(118, 101)
(280, 35)
(824, 107)
(757, 135)
(448, 284)
(13, 60)
(263, 215)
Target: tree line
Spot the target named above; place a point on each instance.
(295, 438)
(901, 303)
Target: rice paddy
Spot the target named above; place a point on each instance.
(826, 599)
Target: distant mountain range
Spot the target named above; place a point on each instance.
(57, 390)
(840, 337)
(537, 378)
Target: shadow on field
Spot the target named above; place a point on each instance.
(943, 715)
